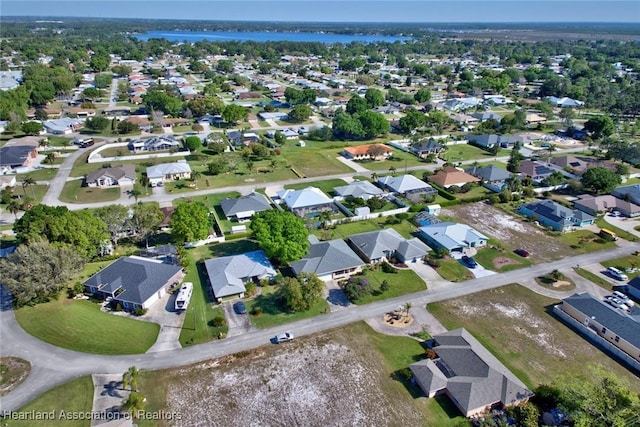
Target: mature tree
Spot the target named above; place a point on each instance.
(125, 127)
(438, 120)
(374, 97)
(600, 179)
(290, 295)
(357, 105)
(163, 99)
(192, 143)
(412, 120)
(91, 93)
(79, 229)
(116, 218)
(515, 157)
(346, 126)
(97, 123)
(216, 167)
(121, 70)
(190, 221)
(599, 127)
(224, 65)
(374, 124)
(282, 235)
(100, 61)
(217, 142)
(422, 95)
(102, 80)
(38, 271)
(601, 400)
(233, 113)
(32, 128)
(300, 113)
(208, 105)
(145, 220)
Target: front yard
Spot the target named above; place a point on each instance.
(74, 192)
(401, 283)
(80, 325)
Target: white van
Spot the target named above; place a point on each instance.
(617, 273)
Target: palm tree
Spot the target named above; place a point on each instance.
(195, 175)
(130, 378)
(407, 307)
(550, 149)
(250, 167)
(135, 193)
(134, 403)
(325, 217)
(374, 176)
(28, 181)
(14, 208)
(392, 169)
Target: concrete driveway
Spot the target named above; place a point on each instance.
(238, 323)
(479, 271)
(428, 274)
(170, 321)
(335, 296)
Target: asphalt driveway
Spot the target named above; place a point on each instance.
(238, 323)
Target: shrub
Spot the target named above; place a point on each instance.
(139, 311)
(219, 322)
(221, 335)
(256, 311)
(250, 289)
(118, 307)
(384, 286)
(388, 268)
(356, 288)
(416, 208)
(431, 354)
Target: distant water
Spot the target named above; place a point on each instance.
(265, 36)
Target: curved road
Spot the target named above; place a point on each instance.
(53, 365)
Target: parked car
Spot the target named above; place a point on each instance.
(523, 253)
(240, 308)
(617, 274)
(286, 337)
(469, 261)
(614, 301)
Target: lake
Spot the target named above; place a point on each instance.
(265, 36)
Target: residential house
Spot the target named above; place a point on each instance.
(612, 329)
(157, 143)
(383, 245)
(7, 181)
(367, 152)
(10, 79)
(278, 115)
(551, 214)
(534, 119)
(630, 193)
(17, 154)
(536, 171)
(572, 164)
(407, 185)
(329, 260)
(452, 236)
(359, 189)
(493, 177)
(164, 172)
(124, 175)
(423, 149)
(239, 138)
(450, 176)
(597, 205)
(134, 282)
(63, 126)
(492, 140)
(228, 275)
(307, 202)
(564, 102)
(241, 209)
(483, 116)
(468, 374)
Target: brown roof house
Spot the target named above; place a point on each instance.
(450, 176)
(468, 374)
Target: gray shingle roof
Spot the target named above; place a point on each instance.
(626, 327)
(489, 173)
(255, 202)
(402, 184)
(327, 257)
(310, 196)
(139, 278)
(358, 189)
(473, 377)
(452, 235)
(383, 243)
(228, 274)
(115, 173)
(15, 155)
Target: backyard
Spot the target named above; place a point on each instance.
(516, 325)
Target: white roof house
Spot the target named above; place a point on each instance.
(452, 236)
(305, 200)
(62, 126)
(227, 275)
(406, 184)
(168, 172)
(363, 189)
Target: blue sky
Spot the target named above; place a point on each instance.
(338, 11)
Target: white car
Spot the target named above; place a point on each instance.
(286, 337)
(614, 301)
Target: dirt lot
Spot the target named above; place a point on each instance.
(335, 378)
(513, 232)
(13, 371)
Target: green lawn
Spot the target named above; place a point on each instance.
(603, 283)
(59, 141)
(44, 174)
(516, 325)
(210, 200)
(74, 192)
(197, 327)
(452, 270)
(34, 192)
(402, 283)
(486, 256)
(600, 222)
(464, 152)
(73, 397)
(398, 161)
(584, 241)
(272, 314)
(342, 231)
(325, 186)
(80, 325)
(315, 159)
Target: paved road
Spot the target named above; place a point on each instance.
(52, 365)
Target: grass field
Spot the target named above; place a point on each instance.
(401, 283)
(73, 397)
(44, 174)
(342, 231)
(272, 314)
(80, 325)
(452, 270)
(603, 283)
(74, 192)
(584, 241)
(315, 159)
(624, 263)
(516, 325)
(325, 186)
